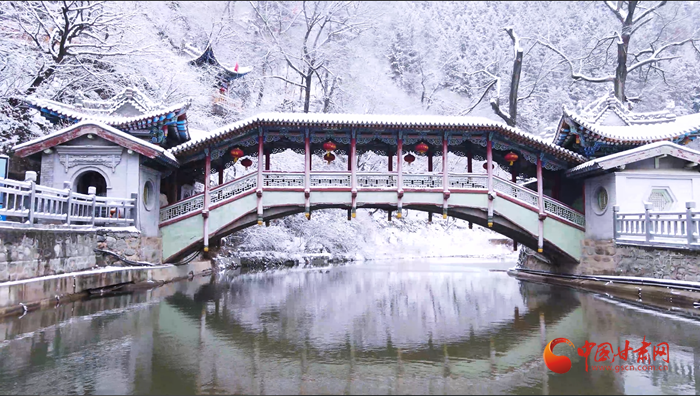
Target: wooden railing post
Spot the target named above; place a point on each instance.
(30, 176)
(616, 222)
(689, 222)
(93, 191)
(69, 201)
(135, 213)
(647, 220)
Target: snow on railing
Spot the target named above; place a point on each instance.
(320, 180)
(28, 202)
(659, 228)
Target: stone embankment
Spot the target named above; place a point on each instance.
(661, 277)
(29, 252)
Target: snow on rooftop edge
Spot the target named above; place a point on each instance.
(100, 125)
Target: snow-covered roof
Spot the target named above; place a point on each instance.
(609, 121)
(103, 130)
(75, 114)
(637, 154)
(374, 121)
(131, 95)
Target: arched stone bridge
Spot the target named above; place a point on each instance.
(526, 215)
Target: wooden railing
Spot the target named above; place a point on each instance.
(31, 203)
(368, 181)
(655, 228)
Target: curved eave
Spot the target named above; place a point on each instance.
(595, 132)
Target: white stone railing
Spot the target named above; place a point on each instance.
(28, 202)
(659, 228)
(368, 181)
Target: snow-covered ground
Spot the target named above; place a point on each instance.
(371, 236)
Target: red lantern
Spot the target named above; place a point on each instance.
(511, 157)
(421, 148)
(493, 166)
(329, 146)
(236, 154)
(578, 140)
(246, 162)
(409, 158)
(329, 157)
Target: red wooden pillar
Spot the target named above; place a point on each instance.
(220, 171)
(353, 173)
(259, 190)
(399, 177)
(430, 169)
(469, 161)
(205, 210)
(445, 179)
(391, 169)
(489, 173)
(307, 174)
(267, 161)
(540, 200)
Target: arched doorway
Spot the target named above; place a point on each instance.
(91, 179)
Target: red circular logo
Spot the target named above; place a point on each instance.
(556, 363)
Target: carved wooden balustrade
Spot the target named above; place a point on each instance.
(457, 183)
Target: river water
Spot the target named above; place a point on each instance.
(381, 327)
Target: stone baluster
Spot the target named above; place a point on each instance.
(92, 190)
(30, 176)
(647, 221)
(690, 222)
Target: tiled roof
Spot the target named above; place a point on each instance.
(647, 151)
(374, 121)
(161, 151)
(75, 114)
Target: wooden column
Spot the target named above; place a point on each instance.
(556, 187)
(173, 188)
(353, 172)
(445, 175)
(205, 210)
(430, 170)
(489, 173)
(399, 176)
(267, 161)
(390, 169)
(307, 174)
(259, 190)
(469, 161)
(220, 171)
(540, 201)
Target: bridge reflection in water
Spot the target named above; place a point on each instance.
(410, 327)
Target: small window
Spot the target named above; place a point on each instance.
(660, 199)
(602, 199)
(148, 195)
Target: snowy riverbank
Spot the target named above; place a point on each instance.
(329, 237)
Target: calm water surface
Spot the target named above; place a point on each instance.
(437, 327)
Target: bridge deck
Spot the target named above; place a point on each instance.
(234, 205)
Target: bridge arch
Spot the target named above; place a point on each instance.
(523, 214)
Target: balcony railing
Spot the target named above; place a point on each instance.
(658, 228)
